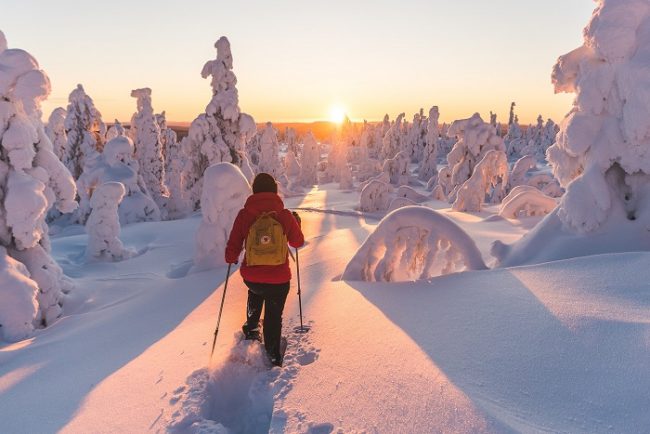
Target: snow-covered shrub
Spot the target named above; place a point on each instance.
(400, 202)
(224, 194)
(413, 243)
(397, 169)
(117, 129)
(310, 157)
(145, 134)
(519, 173)
(103, 224)
(409, 193)
(117, 164)
(85, 131)
(219, 134)
(19, 307)
(375, 196)
(528, 201)
(32, 179)
(55, 130)
(488, 181)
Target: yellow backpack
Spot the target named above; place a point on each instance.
(266, 243)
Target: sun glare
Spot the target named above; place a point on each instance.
(337, 114)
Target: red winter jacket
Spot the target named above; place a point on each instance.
(255, 205)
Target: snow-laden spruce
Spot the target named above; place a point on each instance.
(85, 131)
(219, 134)
(55, 130)
(117, 164)
(601, 155)
(413, 243)
(32, 180)
(225, 192)
(145, 134)
(103, 225)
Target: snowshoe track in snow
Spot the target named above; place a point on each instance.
(241, 394)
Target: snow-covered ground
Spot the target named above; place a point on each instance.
(558, 347)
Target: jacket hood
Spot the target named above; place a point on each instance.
(263, 202)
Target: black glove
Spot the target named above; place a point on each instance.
(297, 217)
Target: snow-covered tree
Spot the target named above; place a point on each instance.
(219, 134)
(488, 181)
(429, 161)
(55, 130)
(270, 152)
(117, 164)
(476, 138)
(413, 243)
(291, 140)
(32, 180)
(103, 225)
(85, 131)
(393, 140)
(226, 190)
(176, 206)
(601, 155)
(145, 134)
(310, 157)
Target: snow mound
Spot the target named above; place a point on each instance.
(413, 243)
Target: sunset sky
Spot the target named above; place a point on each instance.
(296, 60)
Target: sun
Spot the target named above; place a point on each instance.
(337, 114)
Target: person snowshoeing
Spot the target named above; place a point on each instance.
(265, 227)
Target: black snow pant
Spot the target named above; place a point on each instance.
(273, 296)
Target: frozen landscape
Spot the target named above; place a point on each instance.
(470, 276)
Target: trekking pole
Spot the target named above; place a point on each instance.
(223, 298)
(302, 329)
